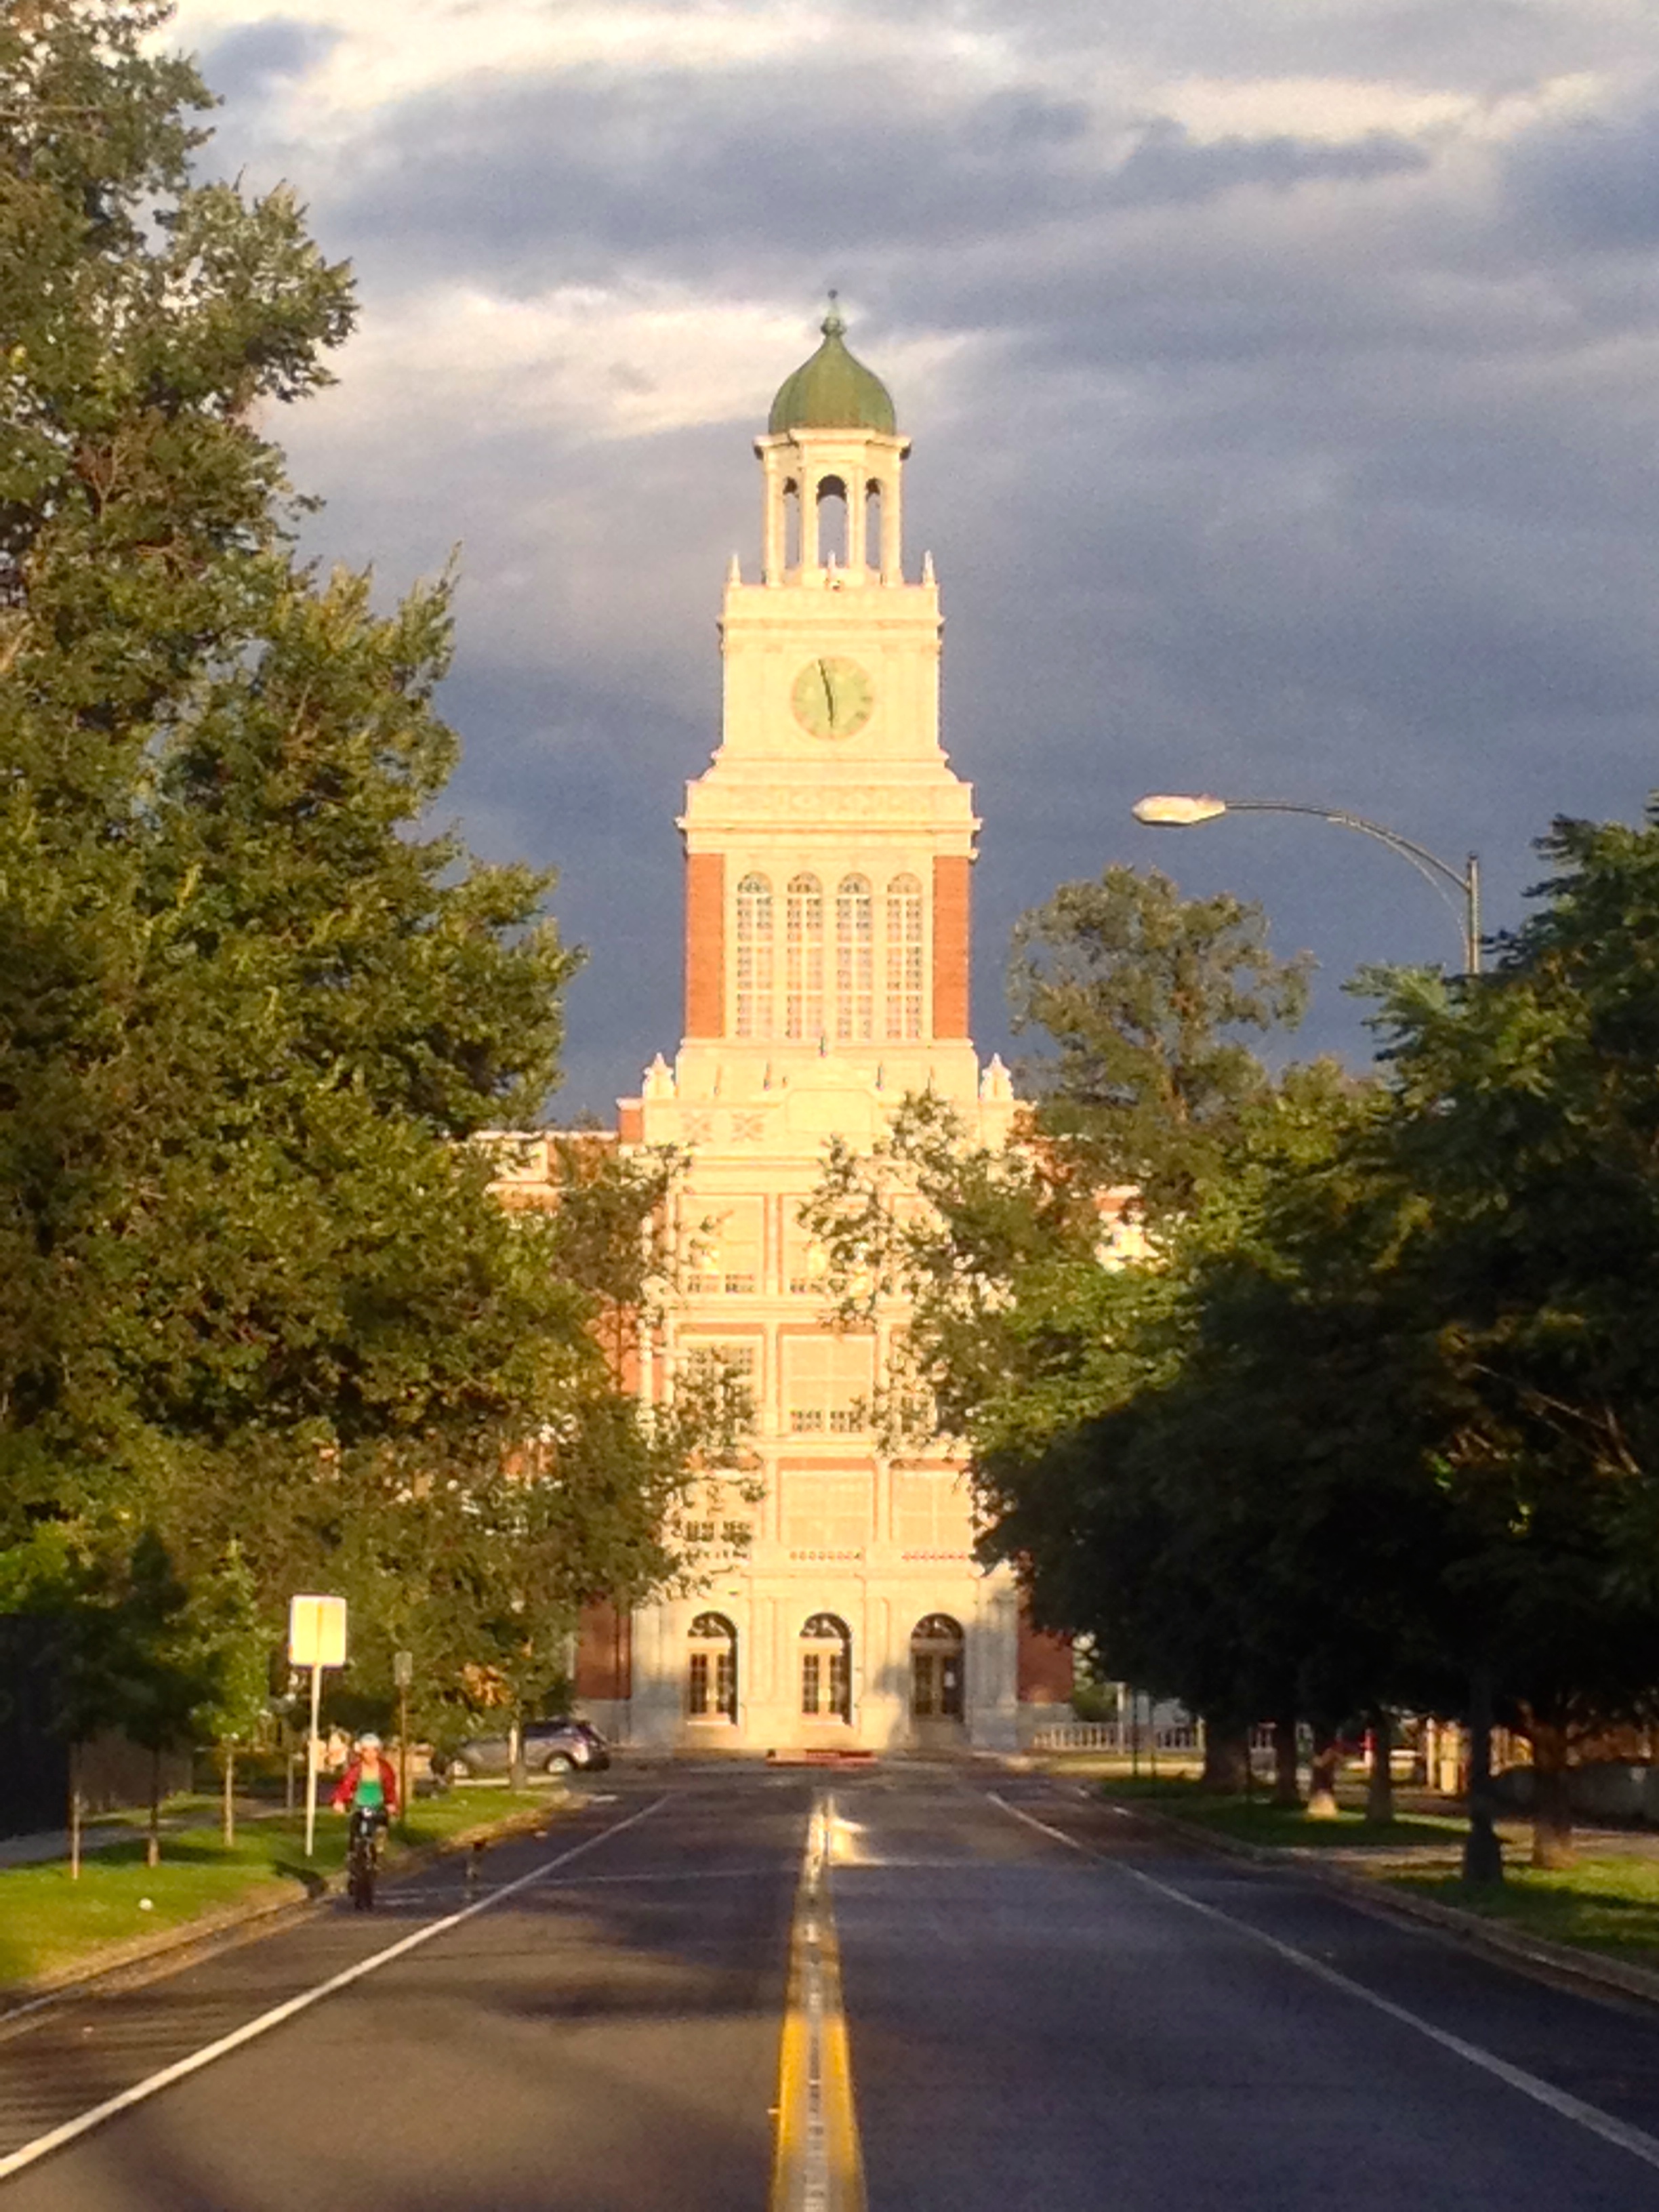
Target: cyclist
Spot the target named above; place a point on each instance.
(369, 1784)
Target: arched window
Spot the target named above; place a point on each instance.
(711, 1680)
(791, 523)
(936, 1668)
(832, 522)
(826, 1669)
(803, 1013)
(753, 966)
(904, 970)
(872, 547)
(854, 959)
(937, 1628)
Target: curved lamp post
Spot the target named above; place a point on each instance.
(1183, 810)
(1483, 1857)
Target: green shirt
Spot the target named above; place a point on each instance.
(371, 1791)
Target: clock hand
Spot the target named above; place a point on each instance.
(829, 693)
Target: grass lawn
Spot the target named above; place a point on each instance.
(48, 1922)
(1254, 1820)
(1608, 1902)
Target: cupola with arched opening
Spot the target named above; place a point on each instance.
(832, 460)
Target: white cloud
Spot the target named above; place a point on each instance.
(386, 51)
(584, 360)
(1335, 109)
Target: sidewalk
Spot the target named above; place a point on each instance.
(105, 1834)
(53, 1844)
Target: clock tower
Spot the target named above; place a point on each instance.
(828, 851)
(828, 846)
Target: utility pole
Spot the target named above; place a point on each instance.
(402, 1674)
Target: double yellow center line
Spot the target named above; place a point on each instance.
(817, 2168)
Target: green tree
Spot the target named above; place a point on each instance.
(257, 1287)
(236, 1647)
(127, 1660)
(1246, 1524)
(140, 526)
(1148, 999)
(1528, 1113)
(168, 1678)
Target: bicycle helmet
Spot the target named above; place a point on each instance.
(369, 1743)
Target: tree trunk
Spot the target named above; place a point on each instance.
(1379, 1790)
(1321, 1774)
(1551, 1803)
(1287, 1791)
(74, 1811)
(515, 1766)
(153, 1840)
(227, 1804)
(1226, 1758)
(1483, 1853)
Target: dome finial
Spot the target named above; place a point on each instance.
(834, 324)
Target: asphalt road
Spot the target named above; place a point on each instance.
(1112, 2022)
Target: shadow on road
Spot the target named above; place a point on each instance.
(607, 2038)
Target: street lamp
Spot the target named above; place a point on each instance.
(1166, 810)
(1483, 1857)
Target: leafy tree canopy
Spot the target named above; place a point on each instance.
(257, 1289)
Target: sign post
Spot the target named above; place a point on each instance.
(402, 1674)
(316, 1638)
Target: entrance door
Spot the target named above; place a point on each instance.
(826, 1669)
(711, 1673)
(937, 1672)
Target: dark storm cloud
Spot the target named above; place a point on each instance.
(249, 61)
(1167, 168)
(687, 174)
(1594, 184)
(541, 773)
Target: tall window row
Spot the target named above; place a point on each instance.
(830, 989)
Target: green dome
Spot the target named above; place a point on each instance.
(832, 392)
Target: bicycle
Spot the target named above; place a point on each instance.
(363, 1855)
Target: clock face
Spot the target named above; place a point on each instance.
(833, 697)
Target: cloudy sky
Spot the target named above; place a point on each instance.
(1284, 376)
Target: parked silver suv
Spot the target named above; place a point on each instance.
(556, 1746)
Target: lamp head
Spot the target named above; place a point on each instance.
(1166, 810)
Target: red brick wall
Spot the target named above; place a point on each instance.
(705, 944)
(630, 1121)
(950, 944)
(1044, 1665)
(604, 1658)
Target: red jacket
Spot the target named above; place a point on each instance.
(347, 1792)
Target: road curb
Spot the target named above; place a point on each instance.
(1548, 1960)
(147, 1958)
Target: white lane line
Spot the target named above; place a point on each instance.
(1638, 2143)
(85, 2122)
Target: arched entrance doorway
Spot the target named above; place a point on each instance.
(938, 1700)
(711, 1674)
(826, 1669)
